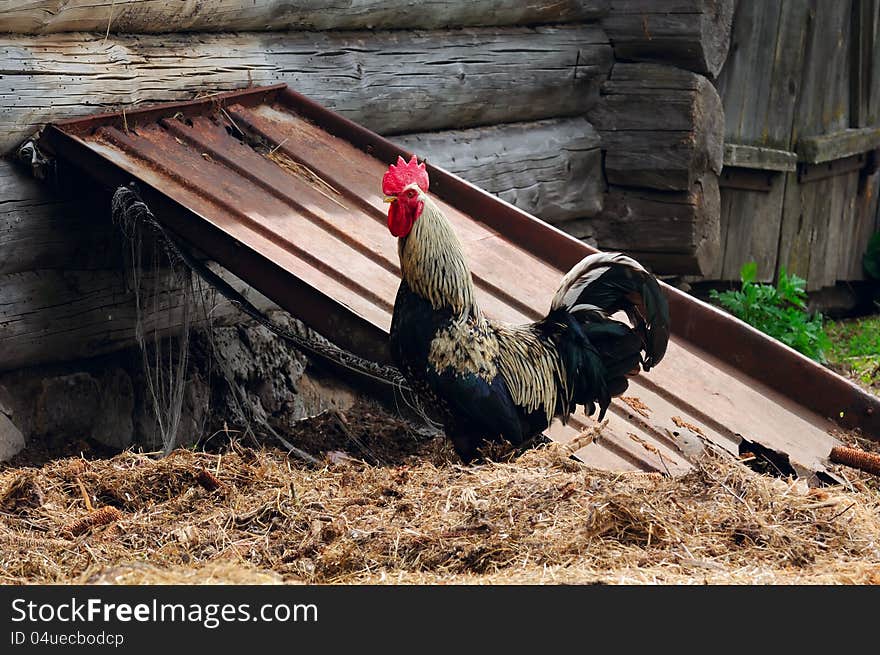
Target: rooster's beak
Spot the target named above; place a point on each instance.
(390, 199)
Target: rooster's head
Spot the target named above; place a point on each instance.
(403, 186)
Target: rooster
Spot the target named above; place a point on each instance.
(492, 382)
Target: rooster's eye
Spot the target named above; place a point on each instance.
(411, 193)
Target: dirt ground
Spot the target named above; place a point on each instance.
(387, 505)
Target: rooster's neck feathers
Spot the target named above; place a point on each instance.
(433, 264)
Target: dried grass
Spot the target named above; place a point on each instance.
(305, 173)
(423, 518)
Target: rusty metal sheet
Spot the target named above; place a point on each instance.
(286, 195)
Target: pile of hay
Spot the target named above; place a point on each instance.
(251, 514)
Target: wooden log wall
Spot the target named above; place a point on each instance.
(552, 169)
(661, 126)
(63, 288)
(392, 81)
(502, 93)
(690, 34)
(156, 16)
(815, 104)
(662, 132)
(513, 96)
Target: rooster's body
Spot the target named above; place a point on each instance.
(490, 381)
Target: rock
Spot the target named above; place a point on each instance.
(193, 413)
(317, 393)
(79, 405)
(11, 438)
(241, 377)
(6, 403)
(113, 423)
(67, 406)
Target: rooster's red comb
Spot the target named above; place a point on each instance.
(402, 174)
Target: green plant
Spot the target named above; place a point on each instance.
(779, 311)
(855, 348)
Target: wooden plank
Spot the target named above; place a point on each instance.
(813, 211)
(750, 222)
(846, 264)
(863, 195)
(765, 159)
(861, 55)
(760, 85)
(831, 220)
(151, 16)
(552, 169)
(393, 82)
(691, 34)
(747, 76)
(814, 244)
(661, 127)
(838, 145)
(872, 116)
(824, 99)
(673, 232)
(796, 227)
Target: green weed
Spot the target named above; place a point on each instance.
(855, 348)
(779, 311)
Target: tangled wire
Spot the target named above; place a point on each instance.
(165, 371)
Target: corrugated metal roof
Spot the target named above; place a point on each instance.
(286, 195)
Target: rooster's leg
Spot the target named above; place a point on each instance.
(466, 445)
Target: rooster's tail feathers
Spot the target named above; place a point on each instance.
(604, 283)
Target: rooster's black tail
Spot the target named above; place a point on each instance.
(591, 292)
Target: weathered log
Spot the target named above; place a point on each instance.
(43, 226)
(63, 289)
(583, 229)
(552, 169)
(661, 127)
(392, 82)
(154, 16)
(62, 315)
(692, 34)
(671, 232)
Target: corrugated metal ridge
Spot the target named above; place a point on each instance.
(285, 193)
